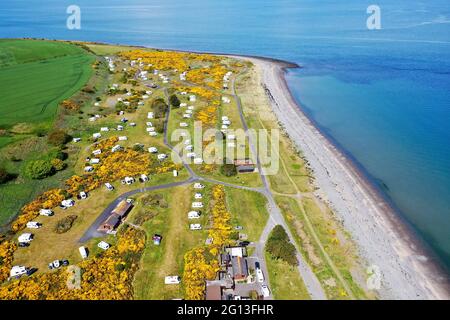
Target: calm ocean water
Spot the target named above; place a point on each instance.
(383, 96)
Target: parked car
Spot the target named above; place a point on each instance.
(265, 291)
(54, 265)
(195, 226)
(109, 186)
(198, 185)
(259, 275)
(65, 262)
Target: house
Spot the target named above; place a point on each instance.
(244, 165)
(111, 223)
(213, 291)
(239, 268)
(225, 259)
(116, 216)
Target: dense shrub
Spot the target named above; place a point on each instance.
(5, 176)
(228, 170)
(65, 224)
(174, 101)
(159, 108)
(279, 246)
(58, 137)
(58, 164)
(38, 169)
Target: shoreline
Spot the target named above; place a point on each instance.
(409, 269)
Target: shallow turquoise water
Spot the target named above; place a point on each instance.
(383, 96)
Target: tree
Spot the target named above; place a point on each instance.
(279, 246)
(38, 169)
(159, 108)
(174, 101)
(58, 137)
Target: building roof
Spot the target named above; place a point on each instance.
(122, 208)
(213, 292)
(243, 162)
(239, 267)
(110, 223)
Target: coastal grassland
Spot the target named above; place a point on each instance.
(248, 209)
(168, 258)
(49, 245)
(292, 176)
(36, 75)
(106, 49)
(328, 250)
(284, 280)
(324, 244)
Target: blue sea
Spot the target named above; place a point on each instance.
(382, 95)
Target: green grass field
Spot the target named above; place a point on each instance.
(36, 75)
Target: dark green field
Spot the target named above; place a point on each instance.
(35, 76)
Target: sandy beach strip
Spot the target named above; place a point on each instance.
(407, 270)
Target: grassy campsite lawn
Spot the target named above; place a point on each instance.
(168, 258)
(248, 209)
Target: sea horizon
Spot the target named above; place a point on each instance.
(387, 115)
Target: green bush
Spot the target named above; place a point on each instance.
(159, 108)
(58, 137)
(228, 170)
(174, 101)
(38, 169)
(279, 246)
(5, 176)
(58, 164)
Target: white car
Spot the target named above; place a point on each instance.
(153, 134)
(25, 238)
(259, 275)
(83, 195)
(109, 186)
(68, 203)
(190, 155)
(189, 147)
(46, 212)
(183, 124)
(153, 150)
(103, 245)
(123, 138)
(265, 291)
(198, 185)
(198, 196)
(195, 226)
